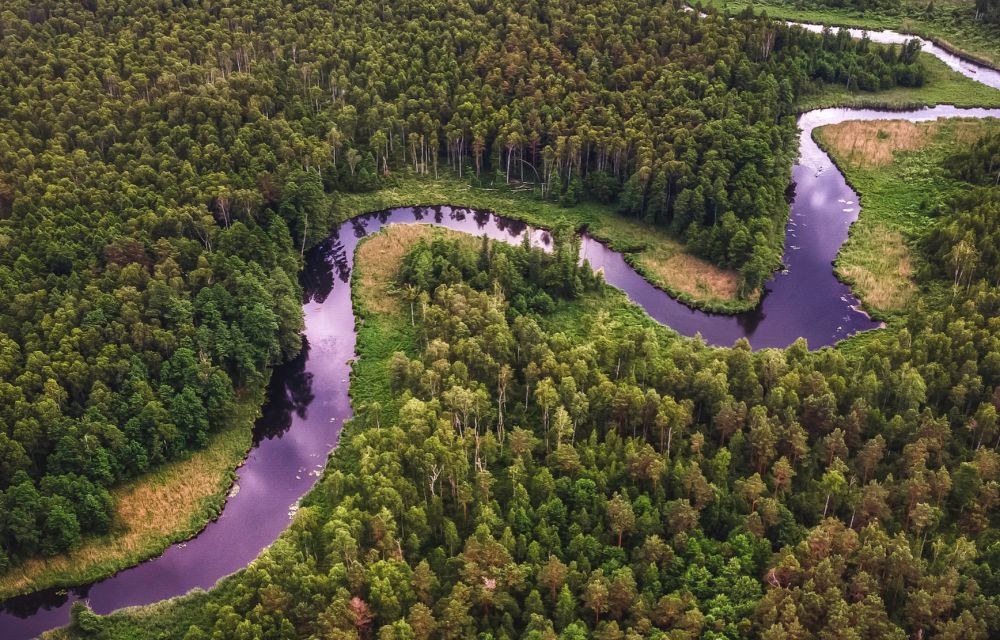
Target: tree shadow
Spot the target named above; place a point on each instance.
(290, 392)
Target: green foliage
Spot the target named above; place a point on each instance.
(547, 483)
(145, 273)
(163, 168)
(157, 182)
(962, 245)
(967, 27)
(980, 163)
(988, 10)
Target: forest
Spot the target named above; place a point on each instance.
(539, 459)
(545, 462)
(164, 166)
(963, 246)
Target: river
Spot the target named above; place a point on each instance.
(308, 400)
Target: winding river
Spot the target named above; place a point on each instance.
(308, 399)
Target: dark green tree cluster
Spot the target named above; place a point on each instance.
(980, 163)
(988, 10)
(862, 66)
(963, 246)
(525, 275)
(618, 482)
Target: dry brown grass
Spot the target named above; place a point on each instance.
(171, 503)
(876, 260)
(688, 274)
(872, 143)
(380, 256)
(894, 166)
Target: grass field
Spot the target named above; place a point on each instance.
(169, 504)
(660, 257)
(896, 168)
(950, 24)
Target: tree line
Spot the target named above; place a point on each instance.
(978, 11)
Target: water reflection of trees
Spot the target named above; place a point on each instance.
(316, 276)
(790, 191)
(512, 227)
(750, 320)
(50, 600)
(481, 217)
(290, 392)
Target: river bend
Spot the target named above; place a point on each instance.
(308, 400)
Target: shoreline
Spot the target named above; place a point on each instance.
(695, 304)
(847, 23)
(151, 544)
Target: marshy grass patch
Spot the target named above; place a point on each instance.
(691, 275)
(379, 257)
(897, 169)
(877, 262)
(872, 143)
(169, 504)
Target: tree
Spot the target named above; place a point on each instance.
(553, 576)
(595, 595)
(565, 609)
(782, 474)
(421, 622)
(547, 397)
(620, 515)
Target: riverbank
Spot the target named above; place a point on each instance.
(655, 254)
(383, 328)
(659, 257)
(943, 86)
(976, 42)
(382, 325)
(168, 505)
(896, 168)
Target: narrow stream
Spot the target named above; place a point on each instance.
(308, 400)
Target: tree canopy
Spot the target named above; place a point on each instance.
(545, 474)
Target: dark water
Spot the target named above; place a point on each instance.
(308, 399)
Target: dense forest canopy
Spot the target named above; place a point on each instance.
(964, 246)
(603, 478)
(164, 164)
